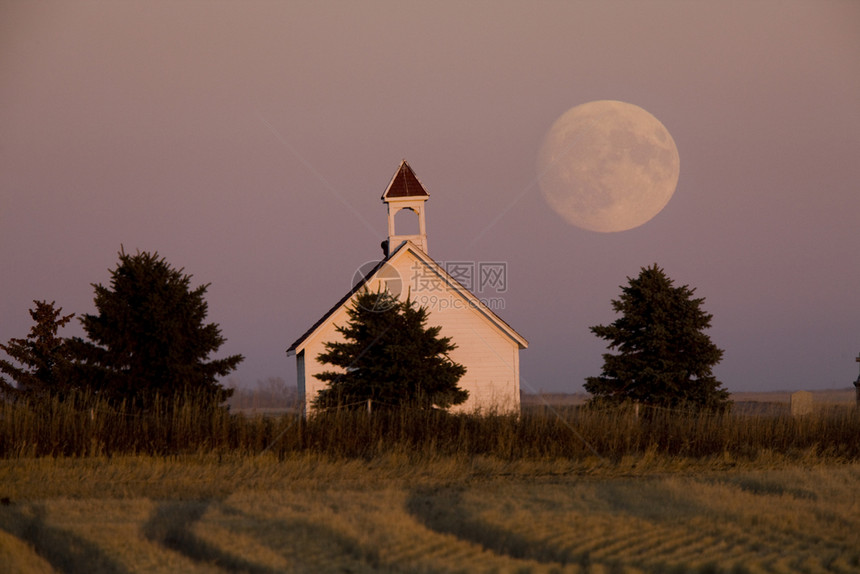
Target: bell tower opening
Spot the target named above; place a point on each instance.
(406, 222)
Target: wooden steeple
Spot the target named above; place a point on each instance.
(405, 192)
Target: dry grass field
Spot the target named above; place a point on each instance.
(822, 398)
(559, 489)
(201, 514)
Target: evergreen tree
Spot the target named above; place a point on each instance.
(149, 337)
(44, 358)
(389, 356)
(664, 357)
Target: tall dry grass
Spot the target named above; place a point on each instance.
(85, 426)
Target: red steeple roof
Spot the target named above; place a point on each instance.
(404, 184)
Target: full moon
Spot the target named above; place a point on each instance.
(608, 166)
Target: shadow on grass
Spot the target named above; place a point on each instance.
(310, 546)
(171, 527)
(443, 511)
(446, 511)
(64, 551)
(299, 540)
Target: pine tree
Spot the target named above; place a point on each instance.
(664, 357)
(44, 358)
(149, 337)
(390, 357)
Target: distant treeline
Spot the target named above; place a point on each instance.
(272, 393)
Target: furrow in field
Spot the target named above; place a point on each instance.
(656, 544)
(598, 547)
(673, 544)
(445, 552)
(545, 544)
(762, 560)
(705, 549)
(462, 556)
(626, 542)
(749, 552)
(409, 552)
(569, 546)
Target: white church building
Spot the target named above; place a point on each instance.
(486, 346)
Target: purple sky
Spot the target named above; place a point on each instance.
(249, 142)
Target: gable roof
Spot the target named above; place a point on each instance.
(407, 246)
(404, 184)
(338, 305)
(474, 302)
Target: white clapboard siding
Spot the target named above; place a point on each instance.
(486, 346)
